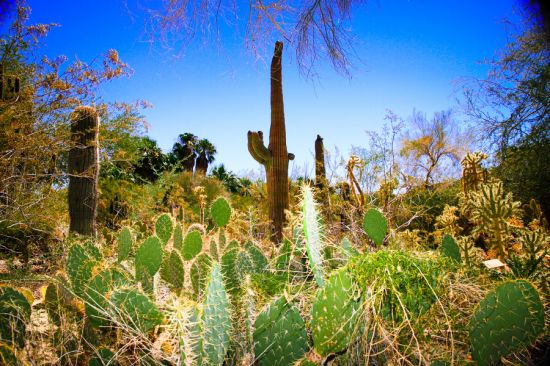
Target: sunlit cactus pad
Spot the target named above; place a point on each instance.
(172, 270)
(80, 262)
(163, 228)
(450, 249)
(280, 336)
(135, 310)
(97, 306)
(375, 225)
(220, 212)
(149, 257)
(333, 315)
(192, 245)
(509, 317)
(125, 244)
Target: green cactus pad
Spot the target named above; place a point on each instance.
(103, 357)
(216, 319)
(178, 237)
(347, 249)
(149, 256)
(15, 314)
(7, 356)
(232, 245)
(230, 269)
(220, 212)
(97, 306)
(186, 322)
(375, 225)
(508, 318)
(125, 244)
(192, 245)
(199, 273)
(450, 249)
(163, 228)
(80, 264)
(222, 240)
(285, 254)
(92, 251)
(172, 271)
(136, 310)
(280, 336)
(52, 303)
(257, 258)
(333, 315)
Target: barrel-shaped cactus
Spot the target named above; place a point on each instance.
(280, 336)
(508, 318)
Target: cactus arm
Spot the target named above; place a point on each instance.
(257, 149)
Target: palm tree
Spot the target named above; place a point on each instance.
(184, 153)
(206, 152)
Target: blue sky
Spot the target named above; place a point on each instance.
(411, 54)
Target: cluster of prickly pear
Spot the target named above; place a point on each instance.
(508, 318)
(333, 315)
(312, 234)
(15, 314)
(216, 319)
(450, 249)
(375, 225)
(280, 336)
(80, 263)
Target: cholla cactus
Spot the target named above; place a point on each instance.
(447, 222)
(491, 210)
(473, 174)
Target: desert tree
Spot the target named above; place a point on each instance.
(205, 155)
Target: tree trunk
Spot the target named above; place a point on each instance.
(202, 164)
(188, 163)
(320, 174)
(275, 157)
(83, 171)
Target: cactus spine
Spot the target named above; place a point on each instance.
(275, 157)
(84, 171)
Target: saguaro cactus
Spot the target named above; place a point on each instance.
(83, 171)
(275, 157)
(320, 175)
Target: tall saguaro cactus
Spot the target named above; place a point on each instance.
(83, 170)
(320, 174)
(275, 157)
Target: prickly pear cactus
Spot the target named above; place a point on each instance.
(135, 310)
(163, 228)
(312, 235)
(214, 250)
(347, 249)
(178, 237)
(186, 324)
(375, 225)
(508, 318)
(199, 273)
(15, 314)
(7, 355)
(449, 248)
(280, 336)
(125, 244)
(96, 305)
(103, 357)
(192, 245)
(172, 271)
(80, 263)
(333, 315)
(282, 262)
(230, 269)
(220, 212)
(215, 319)
(148, 257)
